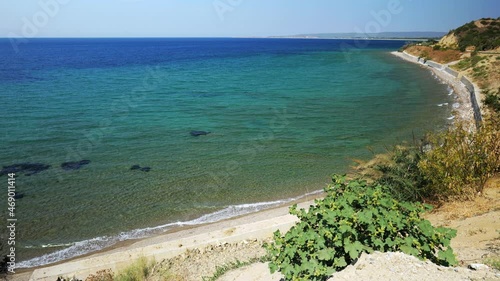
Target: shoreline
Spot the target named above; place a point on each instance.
(259, 225)
(162, 245)
(465, 111)
(227, 213)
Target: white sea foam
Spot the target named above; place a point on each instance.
(98, 243)
(49, 246)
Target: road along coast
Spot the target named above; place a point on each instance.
(468, 104)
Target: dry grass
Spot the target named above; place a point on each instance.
(367, 169)
(486, 74)
(141, 270)
(440, 56)
(229, 232)
(484, 203)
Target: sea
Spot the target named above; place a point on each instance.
(111, 123)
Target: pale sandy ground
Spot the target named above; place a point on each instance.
(246, 230)
(379, 267)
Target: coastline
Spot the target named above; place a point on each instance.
(463, 109)
(102, 244)
(259, 225)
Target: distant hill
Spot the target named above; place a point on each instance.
(381, 35)
(482, 34)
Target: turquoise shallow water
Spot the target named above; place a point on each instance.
(283, 115)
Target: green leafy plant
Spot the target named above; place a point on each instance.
(355, 217)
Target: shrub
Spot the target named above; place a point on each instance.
(355, 217)
(493, 101)
(463, 64)
(436, 47)
(462, 160)
(482, 38)
(402, 174)
(475, 59)
(138, 271)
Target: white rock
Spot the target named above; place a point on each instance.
(478, 266)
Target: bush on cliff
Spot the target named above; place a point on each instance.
(461, 161)
(451, 165)
(402, 174)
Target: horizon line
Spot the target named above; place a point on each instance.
(219, 36)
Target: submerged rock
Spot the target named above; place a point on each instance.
(68, 166)
(137, 167)
(30, 168)
(199, 133)
(146, 169)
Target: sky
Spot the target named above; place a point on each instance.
(227, 18)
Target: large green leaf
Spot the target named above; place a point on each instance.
(355, 217)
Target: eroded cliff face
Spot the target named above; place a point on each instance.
(449, 41)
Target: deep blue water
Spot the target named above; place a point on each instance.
(284, 114)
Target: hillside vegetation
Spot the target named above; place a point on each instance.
(472, 49)
(482, 35)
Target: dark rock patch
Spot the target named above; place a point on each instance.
(135, 167)
(68, 166)
(139, 168)
(199, 133)
(29, 168)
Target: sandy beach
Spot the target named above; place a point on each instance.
(244, 230)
